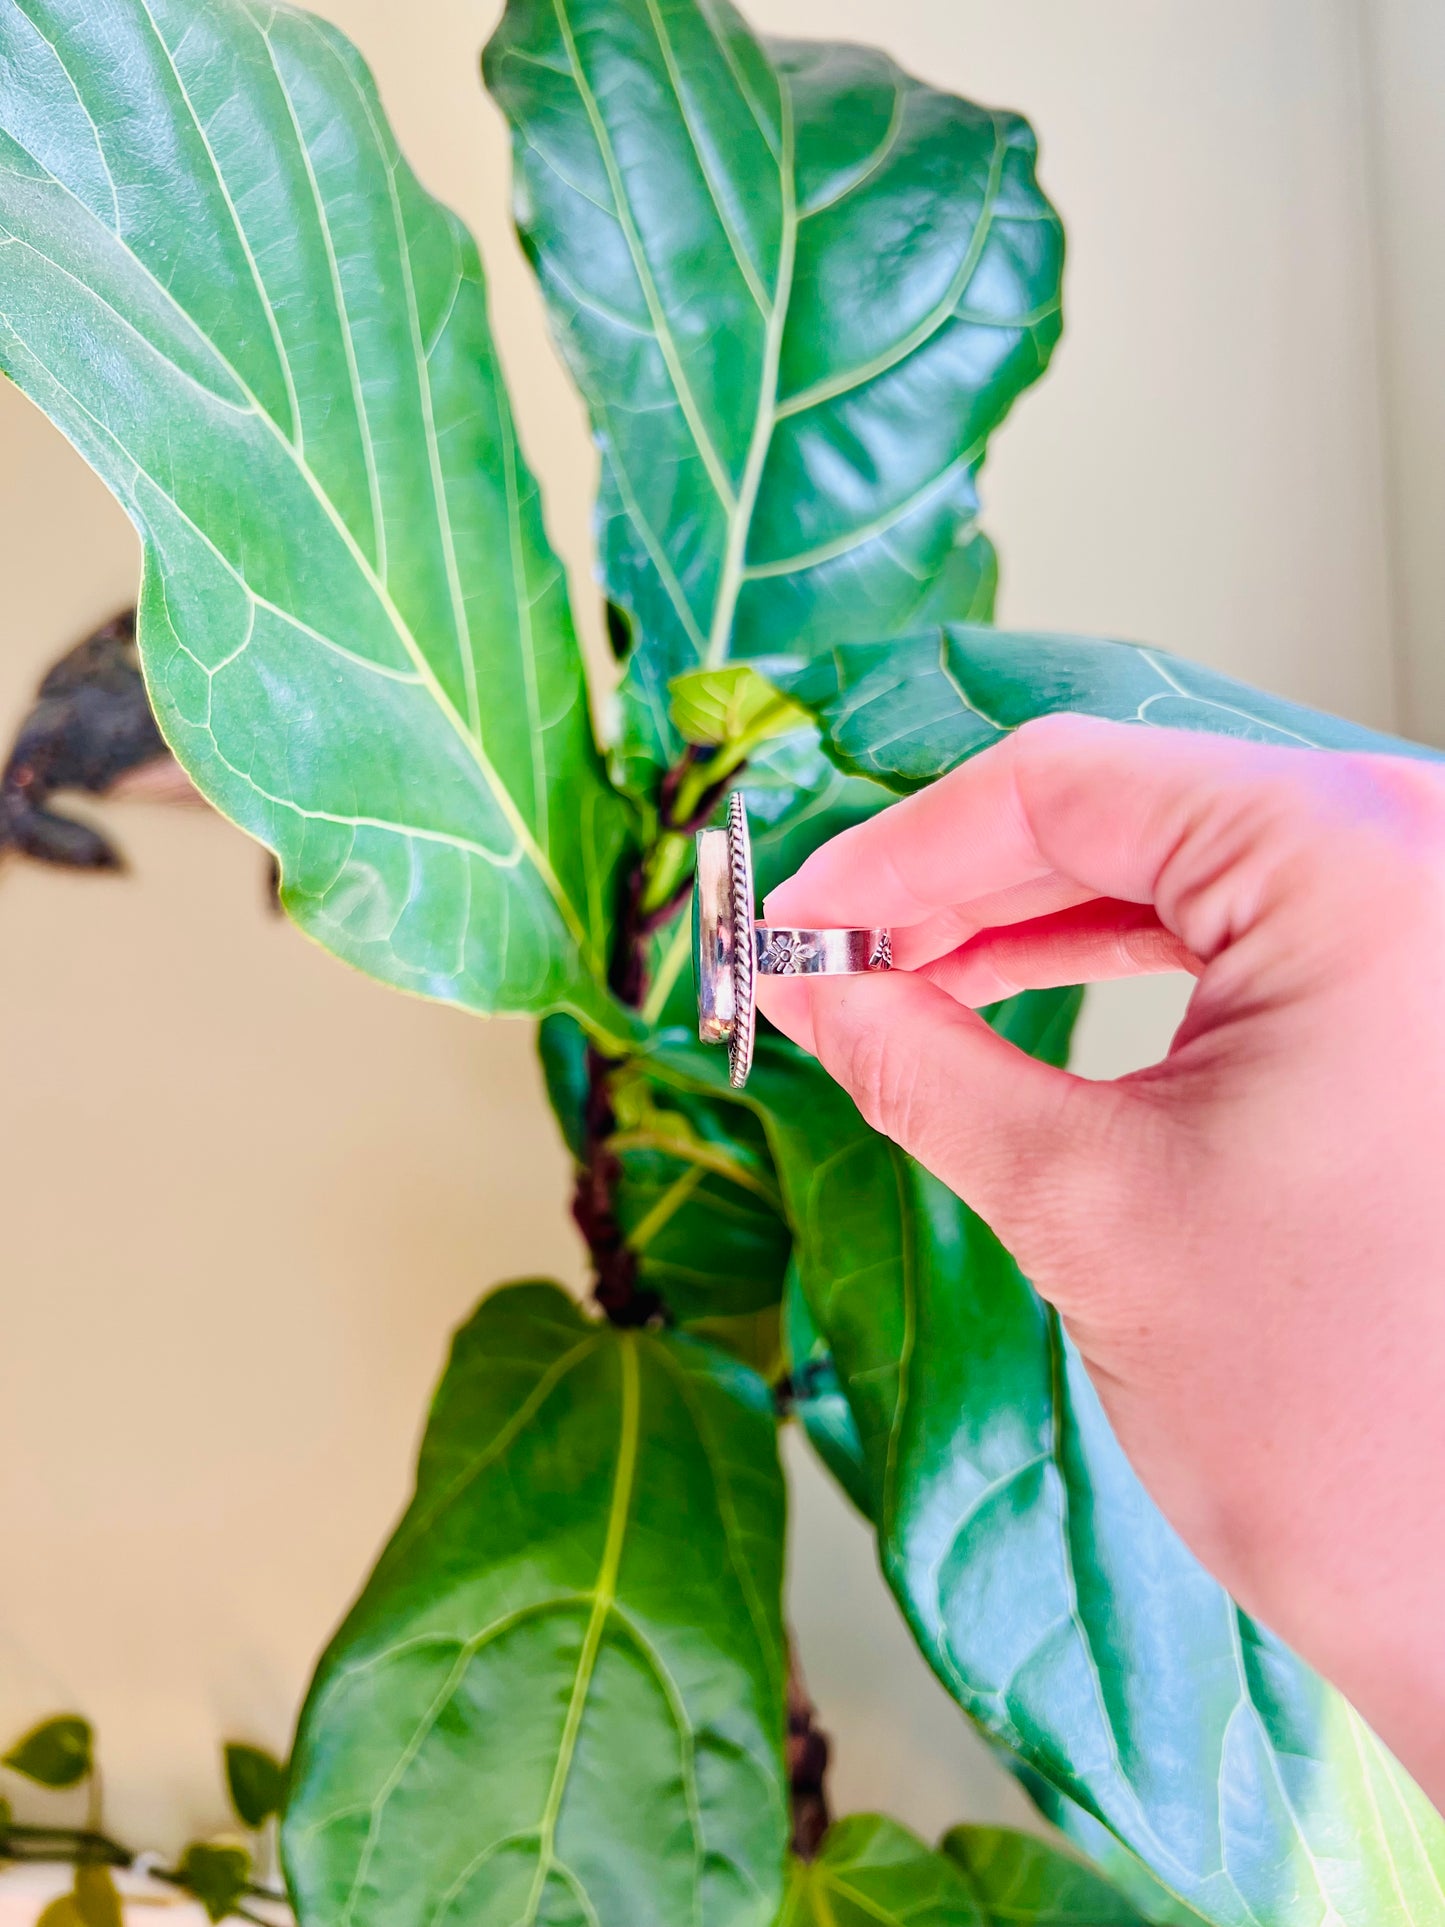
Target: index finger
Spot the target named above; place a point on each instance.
(1098, 806)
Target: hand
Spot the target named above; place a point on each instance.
(1247, 1241)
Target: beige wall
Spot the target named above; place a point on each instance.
(1404, 61)
(245, 1193)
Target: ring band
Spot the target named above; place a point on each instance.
(731, 948)
(784, 952)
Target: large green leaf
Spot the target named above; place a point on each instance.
(698, 1201)
(799, 290)
(220, 279)
(1019, 1880)
(904, 712)
(560, 1697)
(1044, 1587)
(870, 1872)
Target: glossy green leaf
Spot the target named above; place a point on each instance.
(798, 289)
(1040, 1581)
(560, 1695)
(1125, 1872)
(256, 1782)
(220, 279)
(817, 1398)
(1019, 1880)
(734, 705)
(904, 712)
(562, 1046)
(870, 1872)
(698, 1202)
(1038, 1021)
(57, 1753)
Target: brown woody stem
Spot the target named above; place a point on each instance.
(808, 1750)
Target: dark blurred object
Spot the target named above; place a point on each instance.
(91, 729)
(808, 1751)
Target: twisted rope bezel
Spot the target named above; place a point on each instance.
(740, 872)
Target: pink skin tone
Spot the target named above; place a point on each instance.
(1247, 1241)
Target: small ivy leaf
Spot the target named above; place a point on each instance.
(733, 705)
(7, 1820)
(95, 1898)
(217, 1873)
(57, 1753)
(256, 1781)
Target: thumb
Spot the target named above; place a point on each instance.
(1013, 1137)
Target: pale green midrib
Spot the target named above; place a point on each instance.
(1351, 1721)
(796, 1893)
(1150, 657)
(954, 680)
(734, 240)
(445, 838)
(823, 1878)
(706, 1155)
(923, 330)
(864, 170)
(377, 1804)
(678, 950)
(1395, 1774)
(343, 313)
(734, 67)
(1246, 1701)
(688, 1742)
(466, 1651)
(423, 1516)
(80, 102)
(667, 1207)
(499, 791)
(521, 595)
(858, 538)
(852, 704)
(461, 622)
(687, 401)
(297, 438)
(629, 1426)
(740, 518)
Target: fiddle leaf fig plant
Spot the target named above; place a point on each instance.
(799, 291)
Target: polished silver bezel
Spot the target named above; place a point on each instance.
(712, 938)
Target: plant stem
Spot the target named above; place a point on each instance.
(808, 1751)
(70, 1844)
(653, 892)
(85, 1846)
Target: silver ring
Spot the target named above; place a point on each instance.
(731, 948)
